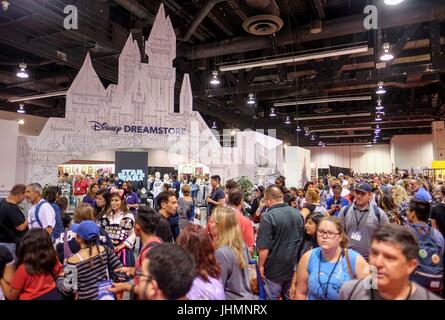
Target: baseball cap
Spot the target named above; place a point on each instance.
(363, 187)
(88, 230)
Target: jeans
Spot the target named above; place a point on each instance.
(275, 289)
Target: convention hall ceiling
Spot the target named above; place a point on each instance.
(331, 95)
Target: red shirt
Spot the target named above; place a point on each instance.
(246, 229)
(36, 285)
(142, 255)
(80, 187)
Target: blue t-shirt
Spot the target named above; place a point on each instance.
(216, 195)
(318, 280)
(132, 198)
(343, 202)
(90, 201)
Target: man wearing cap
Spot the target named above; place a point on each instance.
(361, 218)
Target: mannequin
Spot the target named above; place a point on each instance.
(157, 185)
(167, 179)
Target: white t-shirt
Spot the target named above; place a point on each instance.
(47, 216)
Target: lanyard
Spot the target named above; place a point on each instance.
(325, 290)
(358, 221)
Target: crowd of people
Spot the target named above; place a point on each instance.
(359, 237)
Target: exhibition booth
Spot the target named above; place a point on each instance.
(135, 114)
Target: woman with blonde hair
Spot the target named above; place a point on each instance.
(401, 199)
(313, 203)
(322, 271)
(231, 254)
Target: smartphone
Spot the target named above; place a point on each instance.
(120, 277)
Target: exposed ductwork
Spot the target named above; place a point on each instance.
(266, 20)
(332, 28)
(200, 17)
(136, 8)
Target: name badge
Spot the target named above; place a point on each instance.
(357, 236)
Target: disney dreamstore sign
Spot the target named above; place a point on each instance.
(104, 126)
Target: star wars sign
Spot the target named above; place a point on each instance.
(131, 175)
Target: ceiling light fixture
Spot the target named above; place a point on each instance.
(287, 120)
(215, 80)
(5, 5)
(333, 116)
(323, 100)
(21, 108)
(22, 73)
(380, 89)
(214, 125)
(298, 129)
(379, 108)
(393, 2)
(272, 112)
(342, 129)
(313, 137)
(378, 118)
(298, 58)
(251, 99)
(386, 56)
(38, 96)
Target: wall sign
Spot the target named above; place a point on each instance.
(132, 166)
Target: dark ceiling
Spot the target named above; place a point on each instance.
(32, 31)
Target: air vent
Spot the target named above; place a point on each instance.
(263, 24)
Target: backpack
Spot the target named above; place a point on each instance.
(58, 227)
(149, 245)
(376, 211)
(191, 213)
(429, 271)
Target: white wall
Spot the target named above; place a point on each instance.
(412, 151)
(9, 132)
(359, 158)
(297, 166)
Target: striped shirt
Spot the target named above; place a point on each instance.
(89, 276)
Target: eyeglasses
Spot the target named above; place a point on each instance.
(140, 275)
(328, 234)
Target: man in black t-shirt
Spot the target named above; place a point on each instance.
(217, 198)
(13, 224)
(168, 206)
